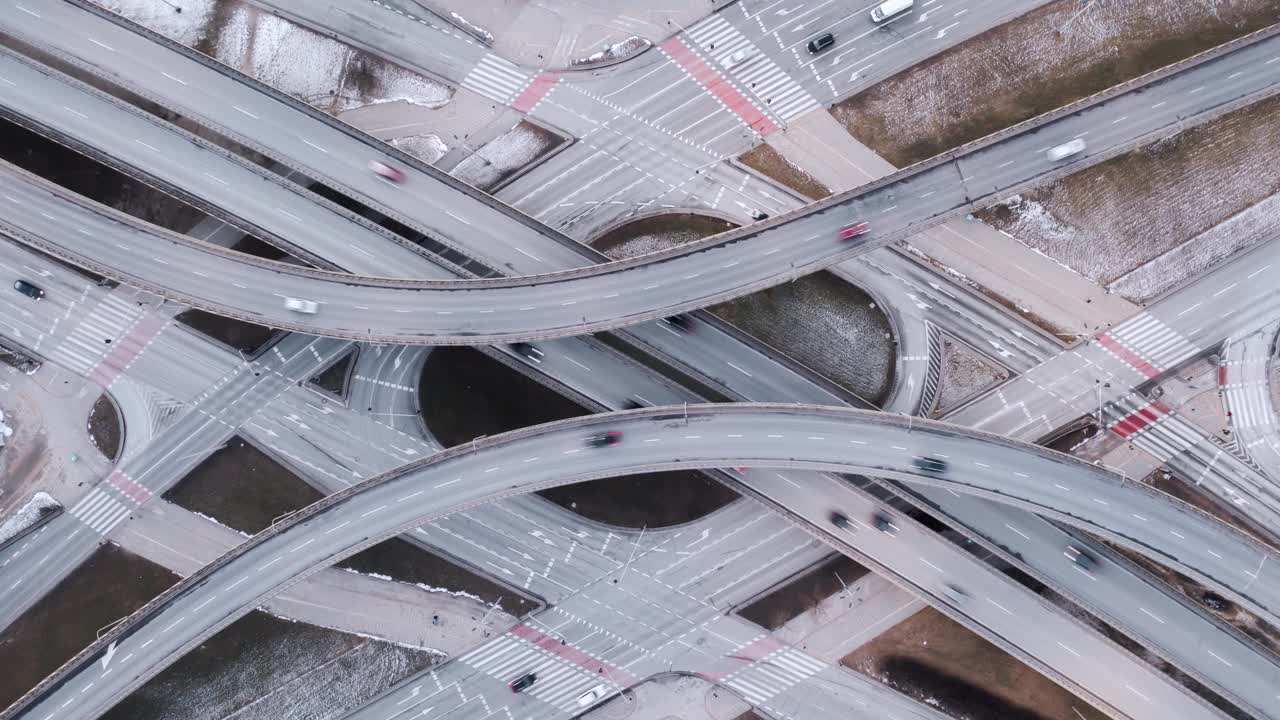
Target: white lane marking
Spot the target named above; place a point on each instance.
(149, 147)
(446, 484)
(1219, 657)
(246, 112)
(1005, 609)
(102, 44)
(1024, 535)
(535, 257)
(1153, 615)
(735, 367)
(459, 218)
(1064, 647)
(337, 528)
(178, 80)
(298, 547)
(375, 510)
(326, 152)
(926, 562)
(412, 495)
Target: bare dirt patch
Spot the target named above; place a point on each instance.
(335, 377)
(465, 394)
(827, 325)
(400, 560)
(936, 660)
(263, 667)
(104, 427)
(239, 335)
(770, 163)
(109, 585)
(803, 593)
(1109, 219)
(965, 373)
(658, 232)
(819, 320)
(1042, 60)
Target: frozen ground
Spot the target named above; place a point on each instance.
(964, 373)
(502, 156)
(325, 73)
(264, 667)
(1147, 220)
(427, 148)
(40, 504)
(1063, 51)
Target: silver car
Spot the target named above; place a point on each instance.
(299, 305)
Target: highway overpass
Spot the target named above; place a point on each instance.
(781, 436)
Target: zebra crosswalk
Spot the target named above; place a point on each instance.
(100, 511)
(559, 682)
(497, 79)
(1152, 427)
(89, 342)
(1152, 342)
(777, 91)
(774, 674)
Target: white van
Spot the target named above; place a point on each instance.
(1065, 150)
(890, 9)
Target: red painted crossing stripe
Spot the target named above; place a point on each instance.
(128, 487)
(572, 654)
(127, 349)
(536, 90)
(1128, 356)
(1141, 418)
(1222, 374)
(718, 85)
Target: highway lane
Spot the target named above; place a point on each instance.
(248, 113)
(296, 414)
(631, 291)
(267, 206)
(729, 436)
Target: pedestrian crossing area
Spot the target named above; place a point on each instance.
(497, 79)
(560, 682)
(777, 92)
(1152, 427)
(86, 346)
(774, 674)
(100, 511)
(1148, 344)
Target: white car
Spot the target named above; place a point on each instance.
(735, 57)
(591, 697)
(309, 307)
(1065, 150)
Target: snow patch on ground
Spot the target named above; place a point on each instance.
(420, 586)
(472, 28)
(427, 148)
(617, 51)
(504, 155)
(215, 522)
(35, 509)
(322, 72)
(1245, 228)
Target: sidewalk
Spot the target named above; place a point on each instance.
(845, 621)
(401, 613)
(1036, 285)
(550, 34)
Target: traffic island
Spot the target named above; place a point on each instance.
(106, 427)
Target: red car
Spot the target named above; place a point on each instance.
(384, 170)
(607, 439)
(849, 232)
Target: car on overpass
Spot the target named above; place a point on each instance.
(884, 523)
(932, 465)
(1082, 558)
(386, 172)
(849, 232)
(683, 323)
(605, 439)
(841, 521)
(527, 351)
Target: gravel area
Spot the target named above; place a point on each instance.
(1182, 204)
(658, 232)
(965, 372)
(803, 593)
(239, 335)
(1063, 51)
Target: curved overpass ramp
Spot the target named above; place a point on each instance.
(780, 436)
(602, 297)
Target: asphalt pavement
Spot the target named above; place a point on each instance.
(728, 434)
(626, 292)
